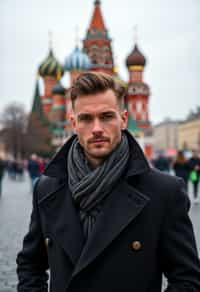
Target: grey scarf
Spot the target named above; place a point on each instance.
(90, 186)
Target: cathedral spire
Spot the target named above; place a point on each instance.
(97, 21)
(37, 104)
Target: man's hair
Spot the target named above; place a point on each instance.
(93, 83)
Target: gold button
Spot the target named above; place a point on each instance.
(136, 245)
(48, 242)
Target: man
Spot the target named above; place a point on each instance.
(194, 167)
(102, 219)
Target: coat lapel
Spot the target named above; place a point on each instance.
(69, 231)
(121, 207)
(65, 225)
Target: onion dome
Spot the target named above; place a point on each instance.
(51, 67)
(78, 60)
(135, 58)
(58, 89)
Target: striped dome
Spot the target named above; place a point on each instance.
(78, 60)
(51, 67)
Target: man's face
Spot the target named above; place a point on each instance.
(98, 121)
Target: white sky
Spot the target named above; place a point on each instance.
(168, 35)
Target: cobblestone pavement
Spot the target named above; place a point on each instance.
(15, 206)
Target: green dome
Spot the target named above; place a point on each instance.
(51, 67)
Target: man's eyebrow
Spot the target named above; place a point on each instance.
(103, 112)
(83, 114)
(87, 115)
(106, 112)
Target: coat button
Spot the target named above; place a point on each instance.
(48, 242)
(136, 245)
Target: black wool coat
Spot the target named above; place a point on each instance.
(142, 232)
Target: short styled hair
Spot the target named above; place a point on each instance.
(93, 83)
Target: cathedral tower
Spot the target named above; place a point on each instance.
(138, 91)
(97, 43)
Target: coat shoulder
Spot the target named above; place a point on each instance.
(159, 184)
(163, 179)
(46, 186)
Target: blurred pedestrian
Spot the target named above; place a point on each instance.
(20, 170)
(162, 163)
(41, 165)
(180, 167)
(33, 169)
(2, 167)
(194, 167)
(12, 169)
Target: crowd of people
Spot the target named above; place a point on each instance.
(187, 169)
(15, 169)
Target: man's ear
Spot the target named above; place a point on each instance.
(124, 119)
(73, 121)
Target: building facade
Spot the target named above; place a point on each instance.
(189, 134)
(166, 136)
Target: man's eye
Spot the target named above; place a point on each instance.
(107, 117)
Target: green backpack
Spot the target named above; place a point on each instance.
(193, 176)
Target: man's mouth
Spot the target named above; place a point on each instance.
(99, 140)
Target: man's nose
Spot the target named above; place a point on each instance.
(97, 127)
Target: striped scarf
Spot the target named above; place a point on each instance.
(89, 187)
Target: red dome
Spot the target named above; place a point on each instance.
(135, 58)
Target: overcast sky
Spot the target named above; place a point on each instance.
(168, 35)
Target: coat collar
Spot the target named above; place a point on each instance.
(137, 162)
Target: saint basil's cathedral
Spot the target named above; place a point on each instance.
(96, 55)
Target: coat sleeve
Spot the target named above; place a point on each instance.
(180, 260)
(32, 261)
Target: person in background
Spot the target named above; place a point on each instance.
(180, 167)
(12, 169)
(194, 167)
(20, 170)
(33, 169)
(2, 167)
(41, 165)
(162, 163)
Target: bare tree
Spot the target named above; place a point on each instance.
(24, 134)
(38, 136)
(14, 120)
